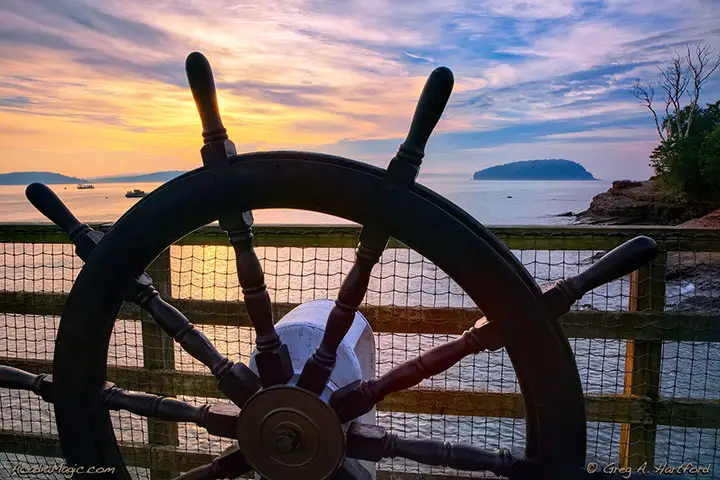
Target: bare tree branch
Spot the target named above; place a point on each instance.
(646, 94)
(685, 74)
(669, 100)
(701, 66)
(675, 80)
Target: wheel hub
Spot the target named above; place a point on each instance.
(300, 435)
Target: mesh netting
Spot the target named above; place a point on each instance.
(646, 345)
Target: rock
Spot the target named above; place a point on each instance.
(698, 304)
(692, 265)
(697, 274)
(648, 203)
(566, 214)
(623, 184)
(711, 220)
(509, 196)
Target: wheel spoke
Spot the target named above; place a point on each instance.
(358, 398)
(235, 380)
(218, 419)
(559, 296)
(272, 356)
(17, 379)
(373, 443)
(319, 366)
(148, 405)
(229, 464)
(400, 175)
(351, 470)
(217, 147)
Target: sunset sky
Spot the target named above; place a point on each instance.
(93, 88)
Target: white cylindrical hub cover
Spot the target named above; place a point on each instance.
(302, 330)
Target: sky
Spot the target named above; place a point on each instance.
(92, 88)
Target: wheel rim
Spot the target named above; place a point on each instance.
(554, 409)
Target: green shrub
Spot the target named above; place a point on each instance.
(690, 164)
(710, 162)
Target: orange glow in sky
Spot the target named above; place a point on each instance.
(92, 88)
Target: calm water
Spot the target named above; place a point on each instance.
(532, 203)
(402, 278)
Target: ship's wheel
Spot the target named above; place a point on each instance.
(293, 426)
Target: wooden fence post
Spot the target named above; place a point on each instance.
(159, 354)
(643, 361)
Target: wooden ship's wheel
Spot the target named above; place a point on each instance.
(291, 424)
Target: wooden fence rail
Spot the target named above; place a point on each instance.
(644, 328)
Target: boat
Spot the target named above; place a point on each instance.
(85, 186)
(135, 193)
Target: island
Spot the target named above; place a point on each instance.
(26, 178)
(548, 169)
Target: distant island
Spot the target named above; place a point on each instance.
(26, 178)
(550, 169)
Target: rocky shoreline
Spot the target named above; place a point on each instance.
(692, 277)
(641, 203)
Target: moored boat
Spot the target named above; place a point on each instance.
(135, 193)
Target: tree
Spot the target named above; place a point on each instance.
(684, 75)
(691, 163)
(688, 156)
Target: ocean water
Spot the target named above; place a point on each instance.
(532, 202)
(690, 369)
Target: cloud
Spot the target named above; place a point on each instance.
(603, 134)
(341, 77)
(14, 102)
(528, 9)
(283, 94)
(419, 57)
